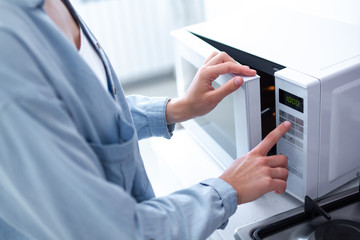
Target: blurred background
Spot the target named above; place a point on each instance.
(136, 33)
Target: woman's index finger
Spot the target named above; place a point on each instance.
(272, 138)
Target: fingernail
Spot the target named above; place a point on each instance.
(238, 81)
(287, 124)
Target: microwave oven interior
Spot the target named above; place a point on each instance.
(265, 69)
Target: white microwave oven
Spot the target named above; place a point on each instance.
(308, 72)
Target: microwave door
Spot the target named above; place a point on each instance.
(234, 126)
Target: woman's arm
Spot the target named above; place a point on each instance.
(53, 184)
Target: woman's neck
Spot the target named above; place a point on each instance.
(58, 12)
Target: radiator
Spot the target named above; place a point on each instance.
(135, 33)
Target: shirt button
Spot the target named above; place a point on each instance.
(115, 91)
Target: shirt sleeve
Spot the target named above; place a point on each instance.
(149, 116)
(52, 187)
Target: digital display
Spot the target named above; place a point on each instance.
(291, 100)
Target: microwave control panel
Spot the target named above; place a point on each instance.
(296, 100)
(291, 106)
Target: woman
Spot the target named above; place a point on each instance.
(69, 159)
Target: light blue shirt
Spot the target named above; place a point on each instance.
(70, 166)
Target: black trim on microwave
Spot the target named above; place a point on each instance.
(245, 58)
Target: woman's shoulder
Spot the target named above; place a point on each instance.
(16, 16)
(22, 3)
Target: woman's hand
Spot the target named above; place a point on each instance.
(201, 97)
(255, 174)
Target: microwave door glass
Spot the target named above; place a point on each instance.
(219, 124)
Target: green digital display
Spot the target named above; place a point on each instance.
(291, 100)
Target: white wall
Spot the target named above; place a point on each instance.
(136, 33)
(340, 10)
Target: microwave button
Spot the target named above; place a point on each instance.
(291, 139)
(292, 131)
(295, 171)
(299, 128)
(287, 137)
(282, 119)
(282, 113)
(299, 135)
(299, 121)
(299, 143)
(291, 118)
